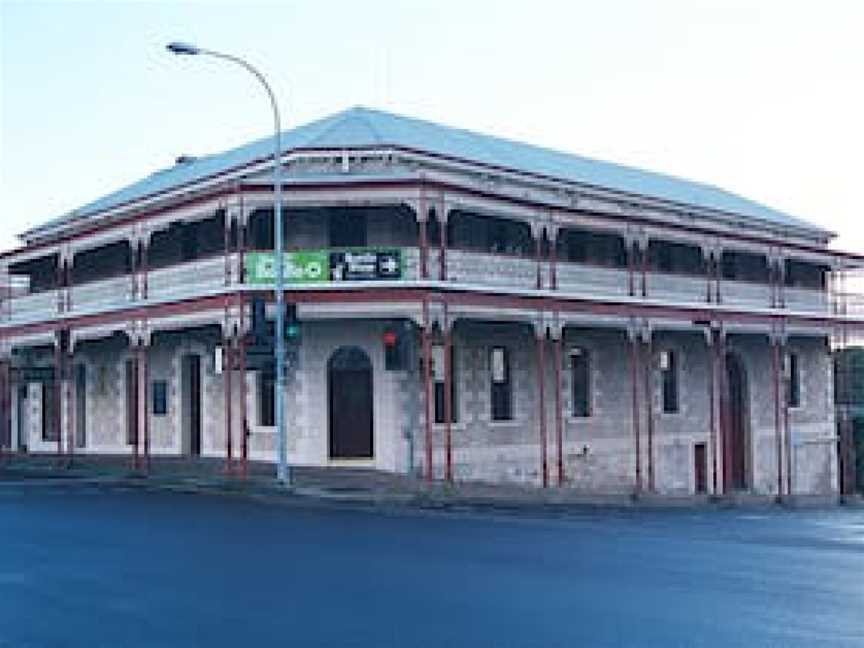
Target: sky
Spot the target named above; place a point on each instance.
(764, 98)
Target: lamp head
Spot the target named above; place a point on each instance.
(178, 47)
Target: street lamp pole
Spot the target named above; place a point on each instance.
(282, 473)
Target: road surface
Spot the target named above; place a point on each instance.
(86, 567)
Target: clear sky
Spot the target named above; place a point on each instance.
(762, 97)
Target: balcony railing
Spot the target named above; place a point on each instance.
(480, 268)
(115, 292)
(36, 307)
(188, 279)
(745, 293)
(592, 281)
(208, 276)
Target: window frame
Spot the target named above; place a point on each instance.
(670, 382)
(586, 400)
(500, 392)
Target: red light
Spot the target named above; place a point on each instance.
(389, 338)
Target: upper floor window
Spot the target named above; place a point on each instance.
(501, 384)
(745, 266)
(800, 274)
(669, 378)
(580, 382)
(598, 248)
(347, 228)
(676, 258)
(489, 234)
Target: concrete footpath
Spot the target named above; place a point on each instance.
(357, 487)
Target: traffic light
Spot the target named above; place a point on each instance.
(397, 341)
(292, 324)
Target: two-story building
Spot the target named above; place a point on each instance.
(470, 308)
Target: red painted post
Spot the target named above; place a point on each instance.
(442, 231)
(70, 406)
(422, 219)
(724, 419)
(244, 431)
(58, 400)
(648, 350)
(538, 260)
(541, 403)
(448, 405)
(427, 390)
(713, 400)
(777, 418)
(787, 429)
(145, 404)
(634, 375)
(136, 439)
(559, 414)
(228, 370)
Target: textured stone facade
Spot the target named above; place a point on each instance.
(598, 451)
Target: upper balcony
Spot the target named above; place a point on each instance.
(374, 244)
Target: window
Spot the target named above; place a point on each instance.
(794, 378)
(438, 377)
(502, 389)
(131, 402)
(267, 398)
(160, 398)
(580, 382)
(669, 375)
(347, 229)
(49, 419)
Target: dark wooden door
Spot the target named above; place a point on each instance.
(700, 467)
(131, 402)
(350, 404)
(736, 420)
(195, 404)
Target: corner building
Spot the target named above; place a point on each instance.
(468, 308)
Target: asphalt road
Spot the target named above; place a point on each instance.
(80, 567)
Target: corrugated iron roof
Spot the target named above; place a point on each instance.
(361, 127)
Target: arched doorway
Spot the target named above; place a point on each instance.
(349, 387)
(736, 418)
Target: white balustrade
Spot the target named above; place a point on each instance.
(187, 279)
(595, 281)
(745, 293)
(105, 294)
(677, 288)
(36, 307)
(806, 299)
(490, 269)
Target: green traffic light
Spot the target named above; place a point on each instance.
(292, 331)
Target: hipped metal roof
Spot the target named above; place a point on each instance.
(361, 127)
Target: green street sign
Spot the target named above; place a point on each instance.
(329, 265)
(300, 267)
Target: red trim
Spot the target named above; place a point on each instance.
(714, 400)
(559, 414)
(541, 405)
(455, 295)
(427, 387)
(448, 404)
(777, 418)
(414, 183)
(648, 349)
(228, 371)
(634, 375)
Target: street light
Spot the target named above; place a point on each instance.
(180, 48)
